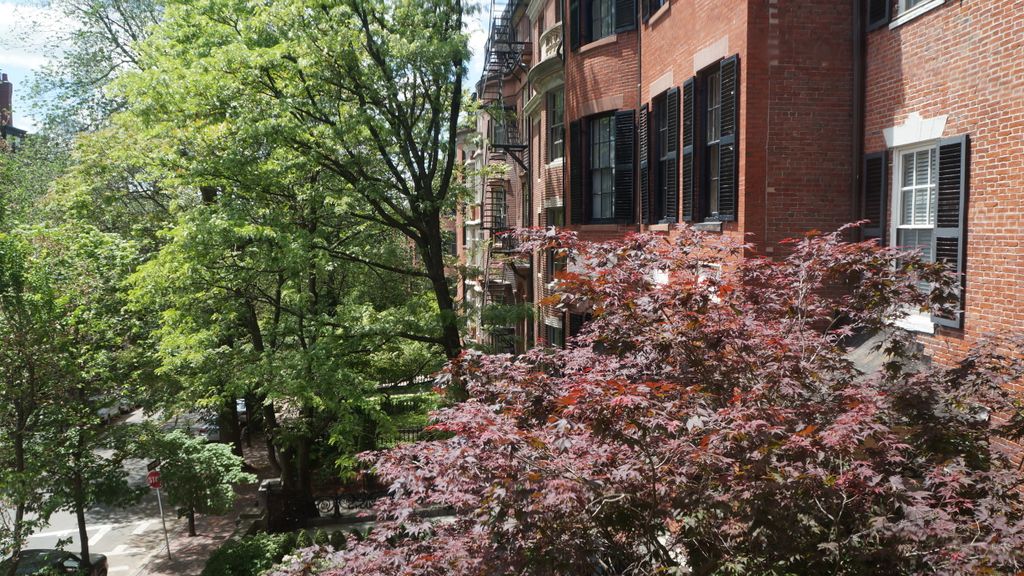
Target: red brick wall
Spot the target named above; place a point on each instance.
(810, 148)
(964, 60)
(796, 139)
(670, 42)
(607, 72)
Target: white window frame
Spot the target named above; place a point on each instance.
(906, 13)
(911, 319)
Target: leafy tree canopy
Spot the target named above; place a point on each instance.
(708, 417)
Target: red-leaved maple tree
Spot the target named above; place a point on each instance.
(708, 420)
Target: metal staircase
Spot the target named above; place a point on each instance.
(504, 55)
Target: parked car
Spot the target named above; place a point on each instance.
(54, 561)
(199, 423)
(107, 408)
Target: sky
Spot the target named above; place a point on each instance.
(27, 29)
(26, 33)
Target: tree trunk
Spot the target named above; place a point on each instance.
(78, 486)
(230, 432)
(269, 433)
(19, 466)
(83, 534)
(303, 476)
(433, 260)
(191, 521)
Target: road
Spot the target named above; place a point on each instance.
(129, 537)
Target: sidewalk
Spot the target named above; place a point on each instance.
(189, 555)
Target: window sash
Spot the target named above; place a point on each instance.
(661, 153)
(918, 187)
(915, 203)
(714, 109)
(602, 19)
(556, 130)
(907, 5)
(602, 168)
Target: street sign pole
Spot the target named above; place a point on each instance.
(160, 502)
(153, 478)
(167, 541)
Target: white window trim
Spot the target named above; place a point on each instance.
(915, 321)
(907, 15)
(910, 319)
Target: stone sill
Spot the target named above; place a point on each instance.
(598, 43)
(661, 12)
(707, 226)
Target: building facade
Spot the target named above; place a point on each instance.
(764, 119)
(944, 153)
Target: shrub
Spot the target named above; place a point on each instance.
(707, 418)
(250, 555)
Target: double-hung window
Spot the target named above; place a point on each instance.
(710, 110)
(602, 168)
(713, 128)
(662, 146)
(602, 19)
(917, 174)
(659, 164)
(592, 20)
(929, 212)
(556, 126)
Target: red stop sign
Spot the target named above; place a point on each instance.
(153, 478)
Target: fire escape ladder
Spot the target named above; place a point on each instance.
(504, 55)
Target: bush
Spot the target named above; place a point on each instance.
(250, 556)
(706, 418)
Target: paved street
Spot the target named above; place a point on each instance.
(132, 538)
(128, 537)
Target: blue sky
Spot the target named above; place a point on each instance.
(27, 30)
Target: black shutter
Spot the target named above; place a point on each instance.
(948, 238)
(688, 188)
(576, 156)
(625, 15)
(878, 13)
(645, 175)
(625, 132)
(727, 155)
(574, 23)
(873, 202)
(671, 185)
(575, 324)
(645, 9)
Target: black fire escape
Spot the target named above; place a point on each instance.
(504, 54)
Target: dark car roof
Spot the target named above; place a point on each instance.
(33, 560)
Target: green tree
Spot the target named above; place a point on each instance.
(87, 268)
(265, 312)
(198, 476)
(71, 89)
(63, 358)
(366, 94)
(28, 377)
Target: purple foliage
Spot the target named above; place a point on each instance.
(707, 417)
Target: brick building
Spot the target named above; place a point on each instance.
(944, 143)
(764, 119)
(7, 130)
